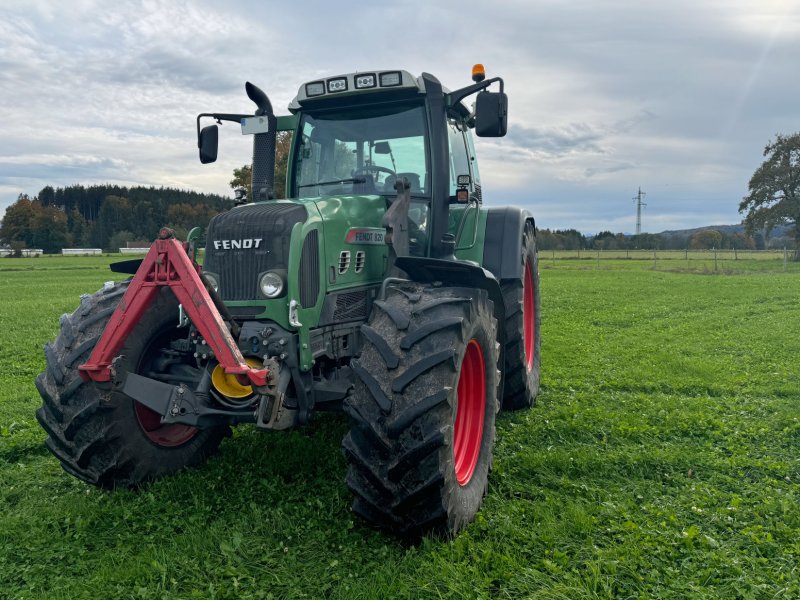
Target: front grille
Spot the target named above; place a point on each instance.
(249, 240)
(309, 270)
(351, 306)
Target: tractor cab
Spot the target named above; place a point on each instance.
(358, 134)
(361, 133)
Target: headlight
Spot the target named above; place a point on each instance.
(317, 88)
(391, 79)
(212, 279)
(365, 81)
(271, 284)
(337, 85)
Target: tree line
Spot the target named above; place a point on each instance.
(103, 216)
(109, 216)
(706, 239)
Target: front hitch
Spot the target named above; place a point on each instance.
(167, 264)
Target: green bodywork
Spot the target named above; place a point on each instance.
(335, 217)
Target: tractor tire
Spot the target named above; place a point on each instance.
(522, 329)
(423, 410)
(101, 435)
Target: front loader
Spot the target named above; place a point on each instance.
(382, 286)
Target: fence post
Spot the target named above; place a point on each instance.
(735, 255)
(655, 264)
(598, 259)
(785, 259)
(715, 258)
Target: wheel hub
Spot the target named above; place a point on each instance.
(168, 436)
(529, 317)
(470, 411)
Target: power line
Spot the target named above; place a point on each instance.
(639, 204)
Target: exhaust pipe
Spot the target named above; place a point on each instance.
(263, 182)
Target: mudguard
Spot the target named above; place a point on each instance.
(454, 272)
(501, 250)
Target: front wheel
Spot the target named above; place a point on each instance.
(105, 437)
(423, 410)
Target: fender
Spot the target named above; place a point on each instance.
(455, 272)
(501, 249)
(462, 273)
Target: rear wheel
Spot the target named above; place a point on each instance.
(102, 436)
(523, 320)
(423, 410)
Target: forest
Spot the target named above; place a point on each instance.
(103, 216)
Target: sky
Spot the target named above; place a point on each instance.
(678, 98)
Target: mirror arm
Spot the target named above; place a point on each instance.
(220, 117)
(454, 98)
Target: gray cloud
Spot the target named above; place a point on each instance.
(678, 97)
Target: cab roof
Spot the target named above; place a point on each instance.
(360, 86)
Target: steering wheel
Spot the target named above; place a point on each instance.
(373, 168)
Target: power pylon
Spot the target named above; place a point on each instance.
(639, 204)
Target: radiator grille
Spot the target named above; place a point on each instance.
(309, 270)
(351, 306)
(249, 240)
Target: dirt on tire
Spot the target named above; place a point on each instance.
(93, 430)
(407, 471)
(522, 364)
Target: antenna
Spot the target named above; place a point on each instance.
(639, 204)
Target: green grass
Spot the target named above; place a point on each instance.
(661, 461)
(706, 262)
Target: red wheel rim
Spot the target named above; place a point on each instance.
(162, 435)
(470, 411)
(528, 317)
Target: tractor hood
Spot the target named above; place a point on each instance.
(248, 240)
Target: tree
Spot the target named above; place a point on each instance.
(774, 197)
(243, 177)
(115, 212)
(119, 240)
(705, 240)
(18, 221)
(29, 223)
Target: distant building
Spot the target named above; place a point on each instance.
(81, 251)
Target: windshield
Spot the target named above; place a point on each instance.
(362, 151)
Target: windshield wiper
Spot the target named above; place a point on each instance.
(333, 181)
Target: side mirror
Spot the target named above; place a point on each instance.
(208, 142)
(382, 148)
(491, 114)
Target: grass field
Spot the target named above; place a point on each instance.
(661, 461)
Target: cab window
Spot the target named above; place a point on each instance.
(459, 156)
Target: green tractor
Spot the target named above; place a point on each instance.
(381, 286)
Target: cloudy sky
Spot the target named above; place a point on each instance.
(677, 97)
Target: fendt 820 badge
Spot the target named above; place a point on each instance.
(382, 286)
